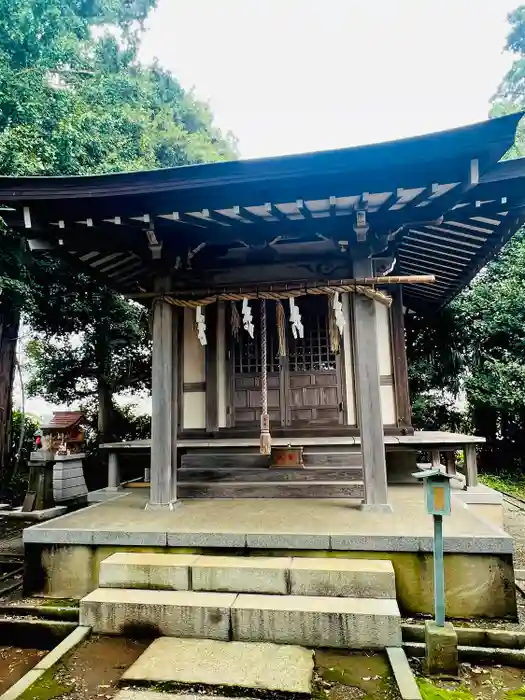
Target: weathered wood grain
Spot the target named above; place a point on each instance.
(268, 475)
(282, 490)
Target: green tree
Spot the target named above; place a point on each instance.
(76, 101)
(493, 312)
(98, 348)
(435, 349)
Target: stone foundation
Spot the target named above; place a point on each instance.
(476, 585)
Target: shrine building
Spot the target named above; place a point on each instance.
(278, 290)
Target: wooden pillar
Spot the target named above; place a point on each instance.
(369, 395)
(471, 464)
(451, 463)
(399, 356)
(212, 413)
(161, 491)
(435, 457)
(177, 330)
(113, 472)
(222, 403)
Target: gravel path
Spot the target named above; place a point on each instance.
(514, 524)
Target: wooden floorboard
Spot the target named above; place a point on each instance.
(264, 490)
(269, 475)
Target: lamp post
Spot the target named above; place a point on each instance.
(440, 637)
(437, 500)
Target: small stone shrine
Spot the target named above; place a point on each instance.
(56, 472)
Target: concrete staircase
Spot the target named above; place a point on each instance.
(313, 602)
(329, 472)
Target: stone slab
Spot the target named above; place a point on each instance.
(66, 645)
(211, 663)
(441, 649)
(241, 574)
(359, 578)
(134, 694)
(406, 683)
(355, 623)
(283, 540)
(206, 539)
(169, 572)
(145, 538)
(35, 515)
(132, 612)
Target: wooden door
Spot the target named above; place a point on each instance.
(304, 387)
(314, 394)
(246, 375)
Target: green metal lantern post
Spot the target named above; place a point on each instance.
(437, 498)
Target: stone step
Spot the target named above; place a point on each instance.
(317, 576)
(312, 489)
(353, 623)
(143, 613)
(269, 474)
(234, 666)
(141, 694)
(169, 572)
(315, 621)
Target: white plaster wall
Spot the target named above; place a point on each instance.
(383, 339)
(194, 409)
(193, 403)
(349, 383)
(194, 353)
(384, 351)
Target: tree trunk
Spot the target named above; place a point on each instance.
(9, 325)
(105, 410)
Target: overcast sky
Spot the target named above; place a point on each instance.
(297, 75)
(287, 76)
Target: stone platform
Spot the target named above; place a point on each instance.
(63, 555)
(249, 666)
(326, 524)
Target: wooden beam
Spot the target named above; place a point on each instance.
(421, 197)
(250, 216)
(301, 206)
(369, 395)
(399, 356)
(275, 212)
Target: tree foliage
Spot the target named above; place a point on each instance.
(486, 334)
(74, 99)
(435, 348)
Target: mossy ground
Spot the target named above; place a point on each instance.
(477, 683)
(345, 675)
(511, 484)
(46, 688)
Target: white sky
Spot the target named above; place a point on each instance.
(297, 75)
(302, 75)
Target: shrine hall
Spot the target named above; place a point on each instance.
(278, 290)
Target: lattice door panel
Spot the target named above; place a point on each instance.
(247, 374)
(314, 393)
(304, 388)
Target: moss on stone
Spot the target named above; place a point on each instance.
(477, 585)
(47, 687)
